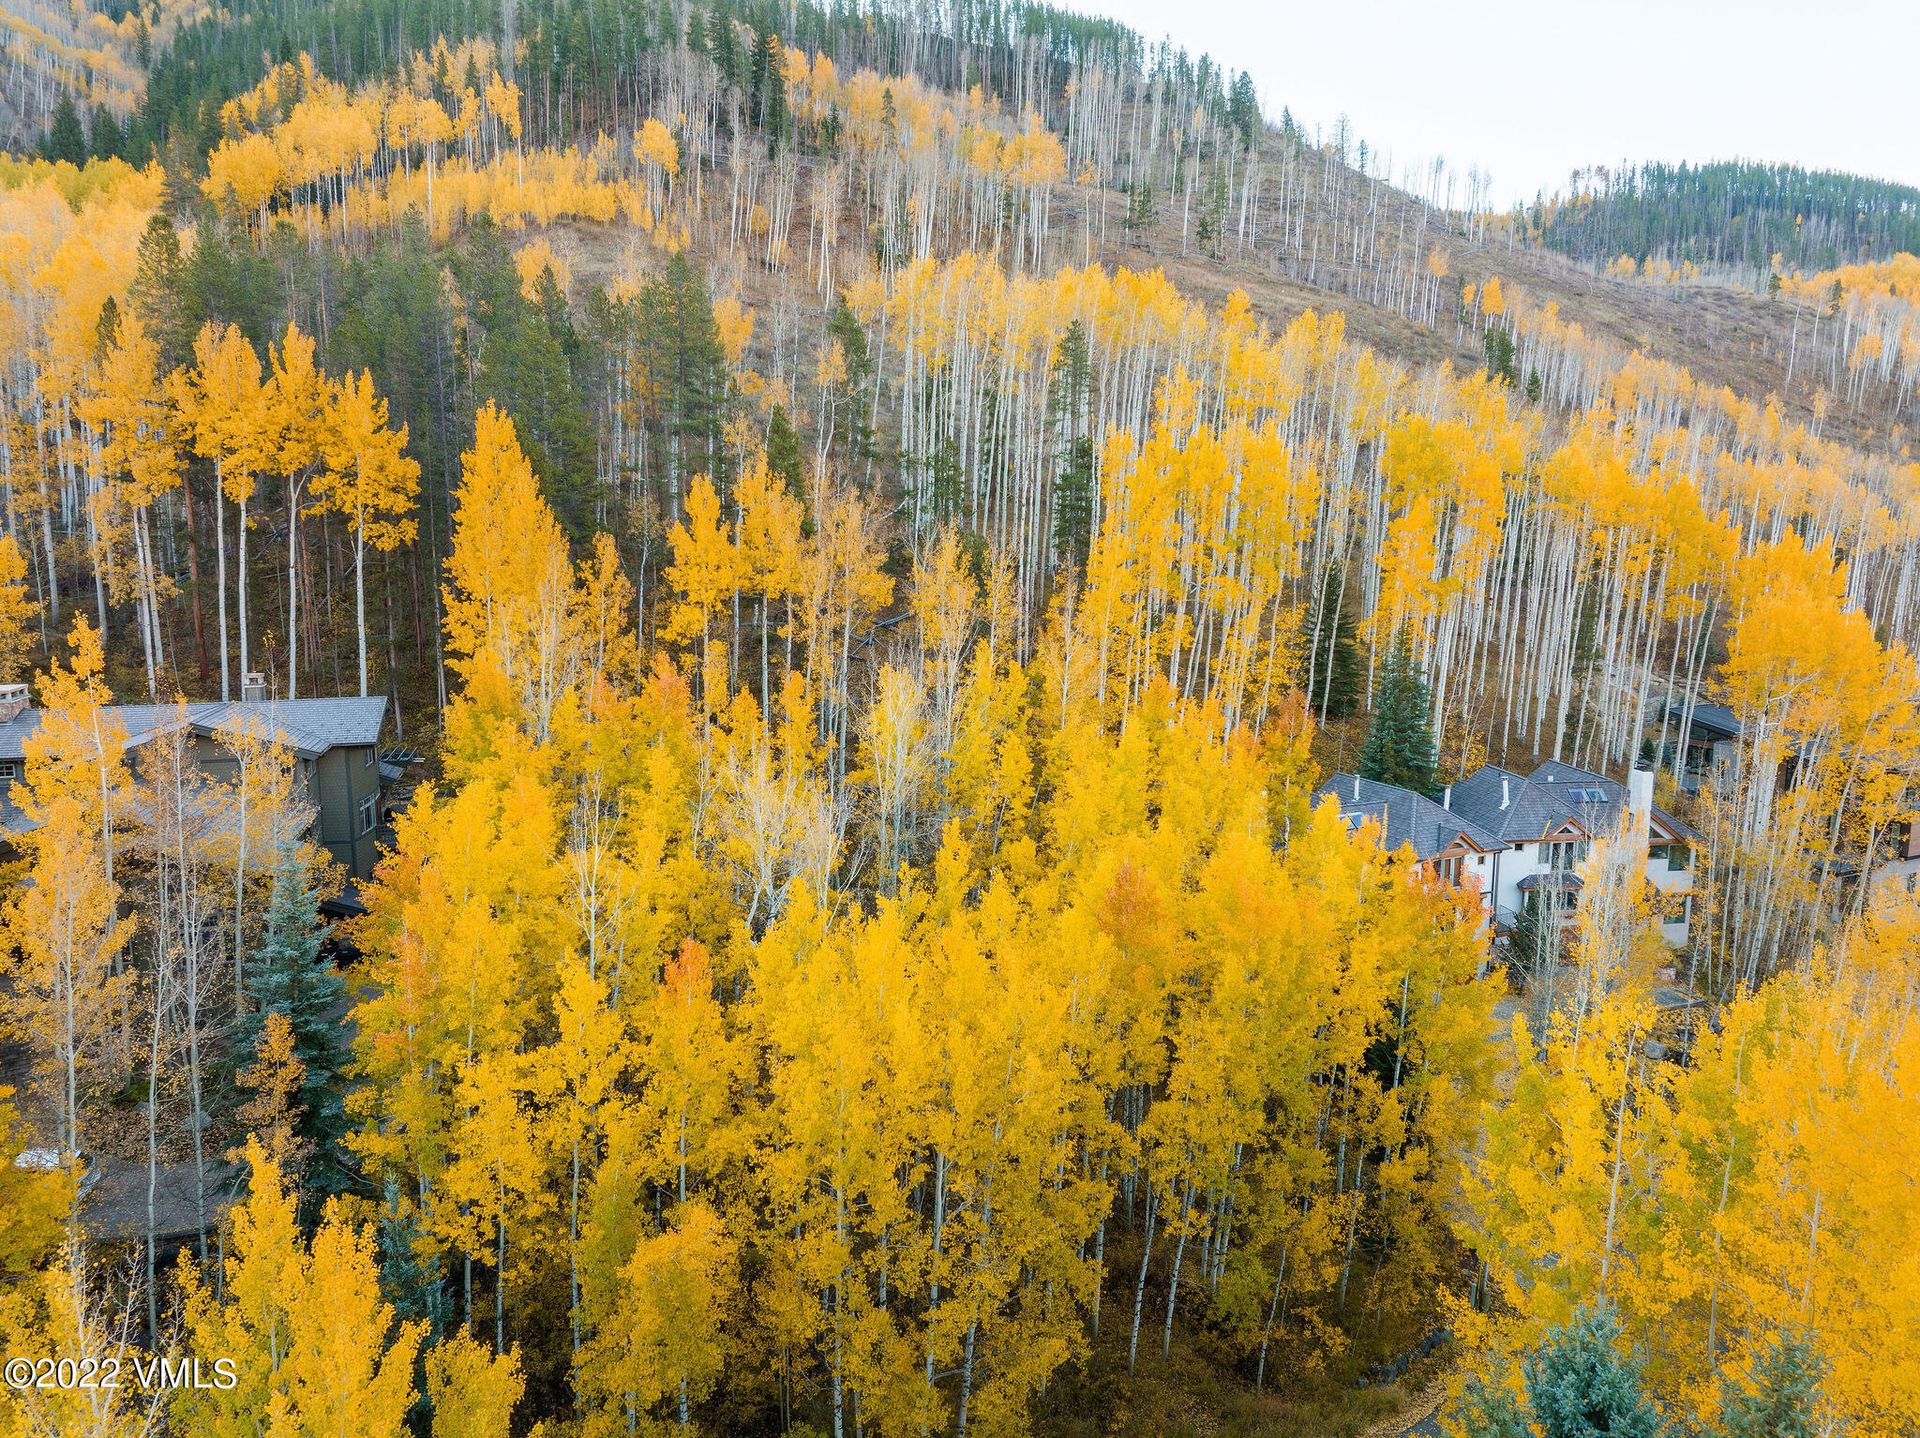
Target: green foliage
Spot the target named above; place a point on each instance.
(528, 355)
(1499, 347)
(411, 1283)
(783, 453)
(1333, 668)
(1779, 1404)
(66, 139)
(1071, 398)
(291, 974)
(1579, 1385)
(1733, 213)
(1399, 747)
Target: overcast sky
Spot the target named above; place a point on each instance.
(1532, 89)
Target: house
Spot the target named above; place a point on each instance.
(1447, 844)
(338, 771)
(1707, 737)
(1549, 819)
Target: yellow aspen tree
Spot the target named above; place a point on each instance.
(370, 481)
(706, 574)
(17, 611)
(664, 1338)
(472, 1393)
(65, 985)
(223, 406)
(63, 1312)
(510, 613)
(296, 403)
(311, 1343)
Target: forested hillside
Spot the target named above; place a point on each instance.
(1731, 215)
(874, 530)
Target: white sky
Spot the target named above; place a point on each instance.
(1532, 89)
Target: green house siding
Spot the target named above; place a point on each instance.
(342, 780)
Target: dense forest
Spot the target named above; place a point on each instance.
(1751, 216)
(874, 529)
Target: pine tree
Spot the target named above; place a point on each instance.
(783, 453)
(66, 138)
(290, 974)
(1580, 1386)
(1780, 1403)
(1073, 490)
(1399, 748)
(1334, 670)
(156, 292)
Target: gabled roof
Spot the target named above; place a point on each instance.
(309, 727)
(1405, 817)
(1554, 796)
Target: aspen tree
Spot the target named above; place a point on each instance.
(369, 481)
(222, 404)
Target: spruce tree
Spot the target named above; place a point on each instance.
(66, 137)
(1334, 668)
(783, 453)
(1489, 1408)
(412, 1284)
(1580, 1386)
(1072, 394)
(1780, 1403)
(1399, 747)
(291, 974)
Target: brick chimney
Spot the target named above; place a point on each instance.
(13, 702)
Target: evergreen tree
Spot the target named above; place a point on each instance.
(292, 975)
(1399, 747)
(1580, 1386)
(687, 368)
(156, 291)
(1072, 394)
(412, 1284)
(1489, 1408)
(1334, 668)
(770, 89)
(66, 139)
(783, 453)
(1499, 347)
(1780, 1403)
(106, 133)
(844, 326)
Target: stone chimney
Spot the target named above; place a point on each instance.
(253, 688)
(13, 702)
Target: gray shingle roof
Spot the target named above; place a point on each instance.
(309, 726)
(1404, 816)
(1525, 810)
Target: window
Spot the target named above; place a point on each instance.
(1448, 868)
(1563, 856)
(1588, 796)
(9, 770)
(1567, 900)
(368, 761)
(369, 813)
